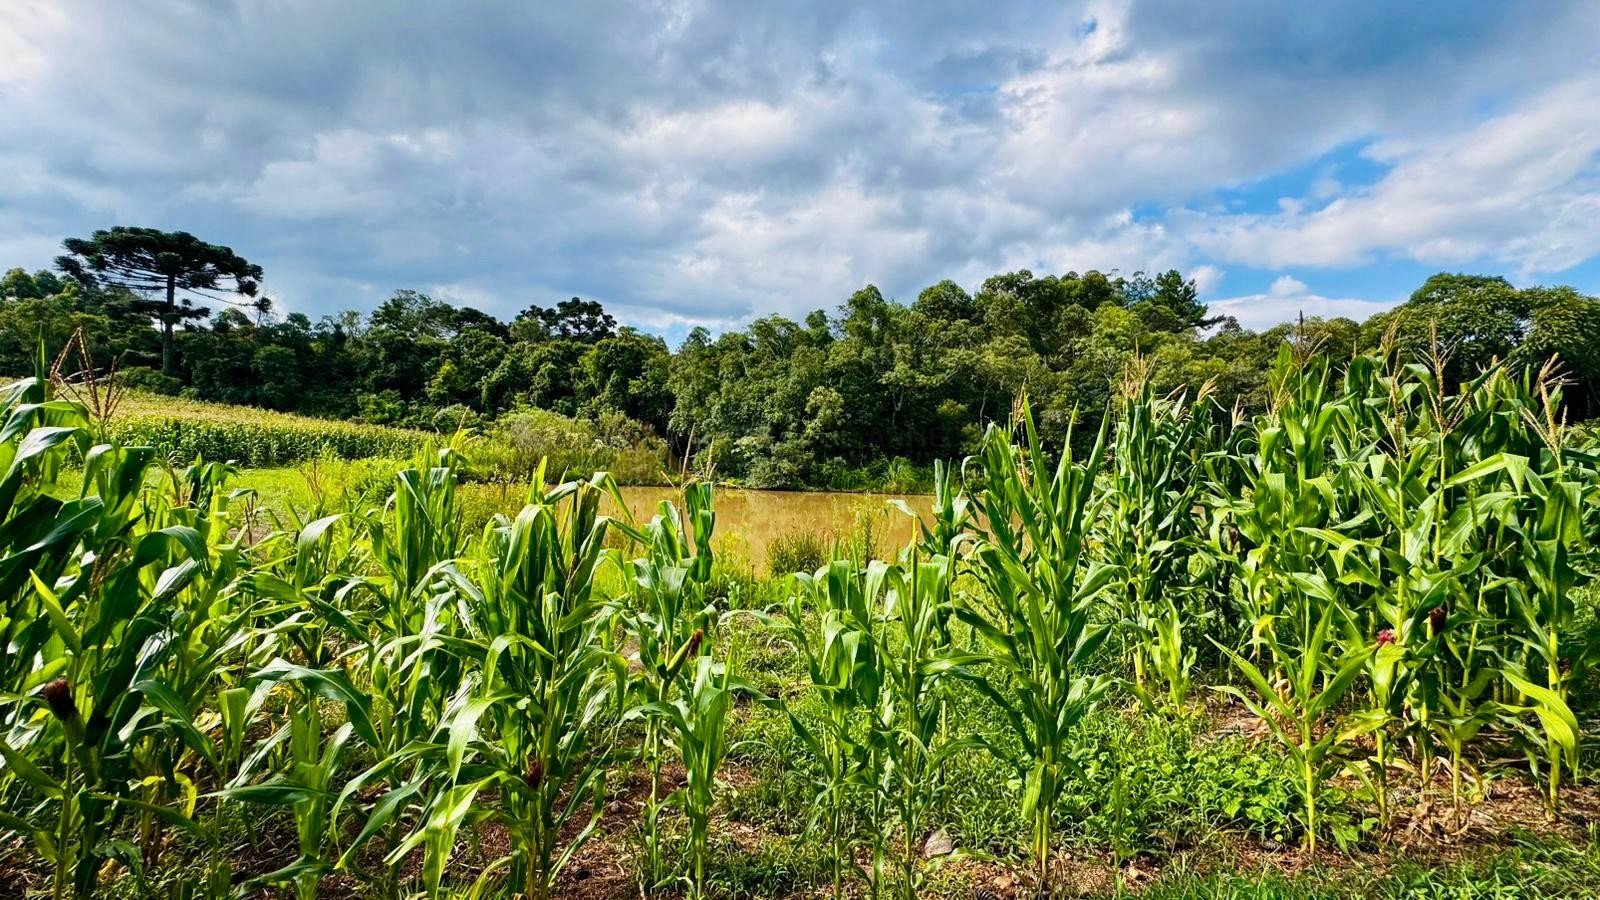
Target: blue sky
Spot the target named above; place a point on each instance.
(696, 163)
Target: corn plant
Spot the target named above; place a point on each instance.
(400, 632)
(668, 624)
(697, 729)
(311, 769)
(1151, 532)
(1414, 553)
(93, 639)
(533, 728)
(1280, 489)
(917, 664)
(1302, 709)
(1036, 619)
(254, 437)
(1542, 605)
(827, 618)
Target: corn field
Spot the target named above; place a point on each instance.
(1383, 568)
(187, 429)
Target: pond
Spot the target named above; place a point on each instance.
(749, 521)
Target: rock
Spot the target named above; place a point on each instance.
(938, 844)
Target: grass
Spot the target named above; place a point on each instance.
(1527, 865)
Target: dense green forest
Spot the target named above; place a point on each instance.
(867, 394)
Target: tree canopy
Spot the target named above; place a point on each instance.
(176, 266)
(837, 399)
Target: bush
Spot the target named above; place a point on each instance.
(894, 475)
(456, 417)
(148, 380)
(801, 552)
(577, 447)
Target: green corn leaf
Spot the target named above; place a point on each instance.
(23, 768)
(333, 685)
(1554, 714)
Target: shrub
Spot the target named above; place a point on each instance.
(144, 378)
(577, 447)
(798, 552)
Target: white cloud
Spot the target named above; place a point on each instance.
(1287, 299)
(345, 173)
(1521, 189)
(703, 162)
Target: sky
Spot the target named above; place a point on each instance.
(706, 163)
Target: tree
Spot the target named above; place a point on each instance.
(1563, 325)
(626, 373)
(1475, 319)
(946, 302)
(175, 264)
(19, 285)
(1182, 299)
(580, 320)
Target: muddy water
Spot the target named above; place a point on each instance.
(749, 521)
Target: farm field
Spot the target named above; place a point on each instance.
(1344, 647)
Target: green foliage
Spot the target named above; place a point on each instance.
(521, 441)
(801, 551)
(1393, 572)
(1153, 783)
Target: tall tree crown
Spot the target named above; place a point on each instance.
(149, 259)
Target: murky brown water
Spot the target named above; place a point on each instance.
(749, 521)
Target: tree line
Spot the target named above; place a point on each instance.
(868, 393)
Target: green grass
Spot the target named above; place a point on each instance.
(1527, 866)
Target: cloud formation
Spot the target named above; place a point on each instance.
(696, 162)
(1287, 299)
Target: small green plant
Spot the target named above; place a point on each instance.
(697, 728)
(1302, 709)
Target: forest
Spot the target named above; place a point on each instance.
(863, 394)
